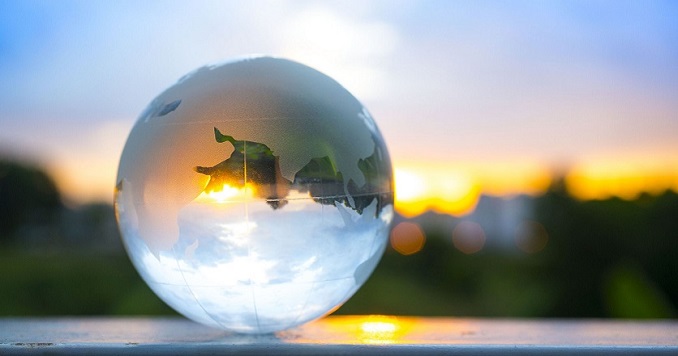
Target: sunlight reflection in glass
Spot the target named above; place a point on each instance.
(227, 194)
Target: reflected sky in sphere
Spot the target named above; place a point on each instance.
(255, 195)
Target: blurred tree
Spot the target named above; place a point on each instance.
(590, 240)
(28, 196)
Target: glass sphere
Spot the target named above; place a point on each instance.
(255, 195)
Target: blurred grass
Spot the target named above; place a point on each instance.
(439, 281)
(77, 283)
(64, 283)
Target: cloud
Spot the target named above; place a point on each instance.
(479, 81)
(352, 50)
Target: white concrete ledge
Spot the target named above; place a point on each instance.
(340, 335)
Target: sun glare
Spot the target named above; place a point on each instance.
(377, 329)
(409, 186)
(443, 190)
(227, 194)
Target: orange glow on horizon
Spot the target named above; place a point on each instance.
(420, 187)
(449, 187)
(456, 190)
(445, 191)
(625, 179)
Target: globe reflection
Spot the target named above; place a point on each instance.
(255, 195)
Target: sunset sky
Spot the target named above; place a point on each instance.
(472, 97)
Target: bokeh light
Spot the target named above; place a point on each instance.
(407, 238)
(468, 237)
(531, 236)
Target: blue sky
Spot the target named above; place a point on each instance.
(463, 84)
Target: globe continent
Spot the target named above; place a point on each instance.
(255, 195)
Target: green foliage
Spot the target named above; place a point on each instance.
(27, 196)
(629, 293)
(440, 280)
(588, 242)
(73, 284)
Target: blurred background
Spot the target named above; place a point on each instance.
(535, 145)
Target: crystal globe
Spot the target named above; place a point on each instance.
(255, 195)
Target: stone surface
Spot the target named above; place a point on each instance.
(340, 335)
